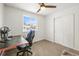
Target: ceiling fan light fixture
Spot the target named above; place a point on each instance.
(42, 7)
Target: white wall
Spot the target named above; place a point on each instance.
(1, 15)
(13, 18)
(66, 27)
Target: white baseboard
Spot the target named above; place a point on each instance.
(38, 40)
(63, 45)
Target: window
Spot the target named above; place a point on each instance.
(29, 23)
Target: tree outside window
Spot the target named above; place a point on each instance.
(29, 23)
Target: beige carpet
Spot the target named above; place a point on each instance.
(45, 48)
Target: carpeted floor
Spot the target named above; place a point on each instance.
(45, 48)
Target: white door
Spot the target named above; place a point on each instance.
(68, 30)
(64, 30)
(59, 30)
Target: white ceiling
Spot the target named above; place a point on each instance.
(33, 7)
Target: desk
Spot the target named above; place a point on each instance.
(11, 44)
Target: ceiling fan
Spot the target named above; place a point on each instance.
(45, 6)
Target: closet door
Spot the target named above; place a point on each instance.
(59, 29)
(77, 31)
(69, 30)
(64, 30)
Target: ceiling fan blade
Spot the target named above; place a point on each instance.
(50, 6)
(38, 10)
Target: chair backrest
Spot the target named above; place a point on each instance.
(30, 36)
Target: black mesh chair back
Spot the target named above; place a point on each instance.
(30, 36)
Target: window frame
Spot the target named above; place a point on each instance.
(31, 19)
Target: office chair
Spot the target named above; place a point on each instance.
(27, 48)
